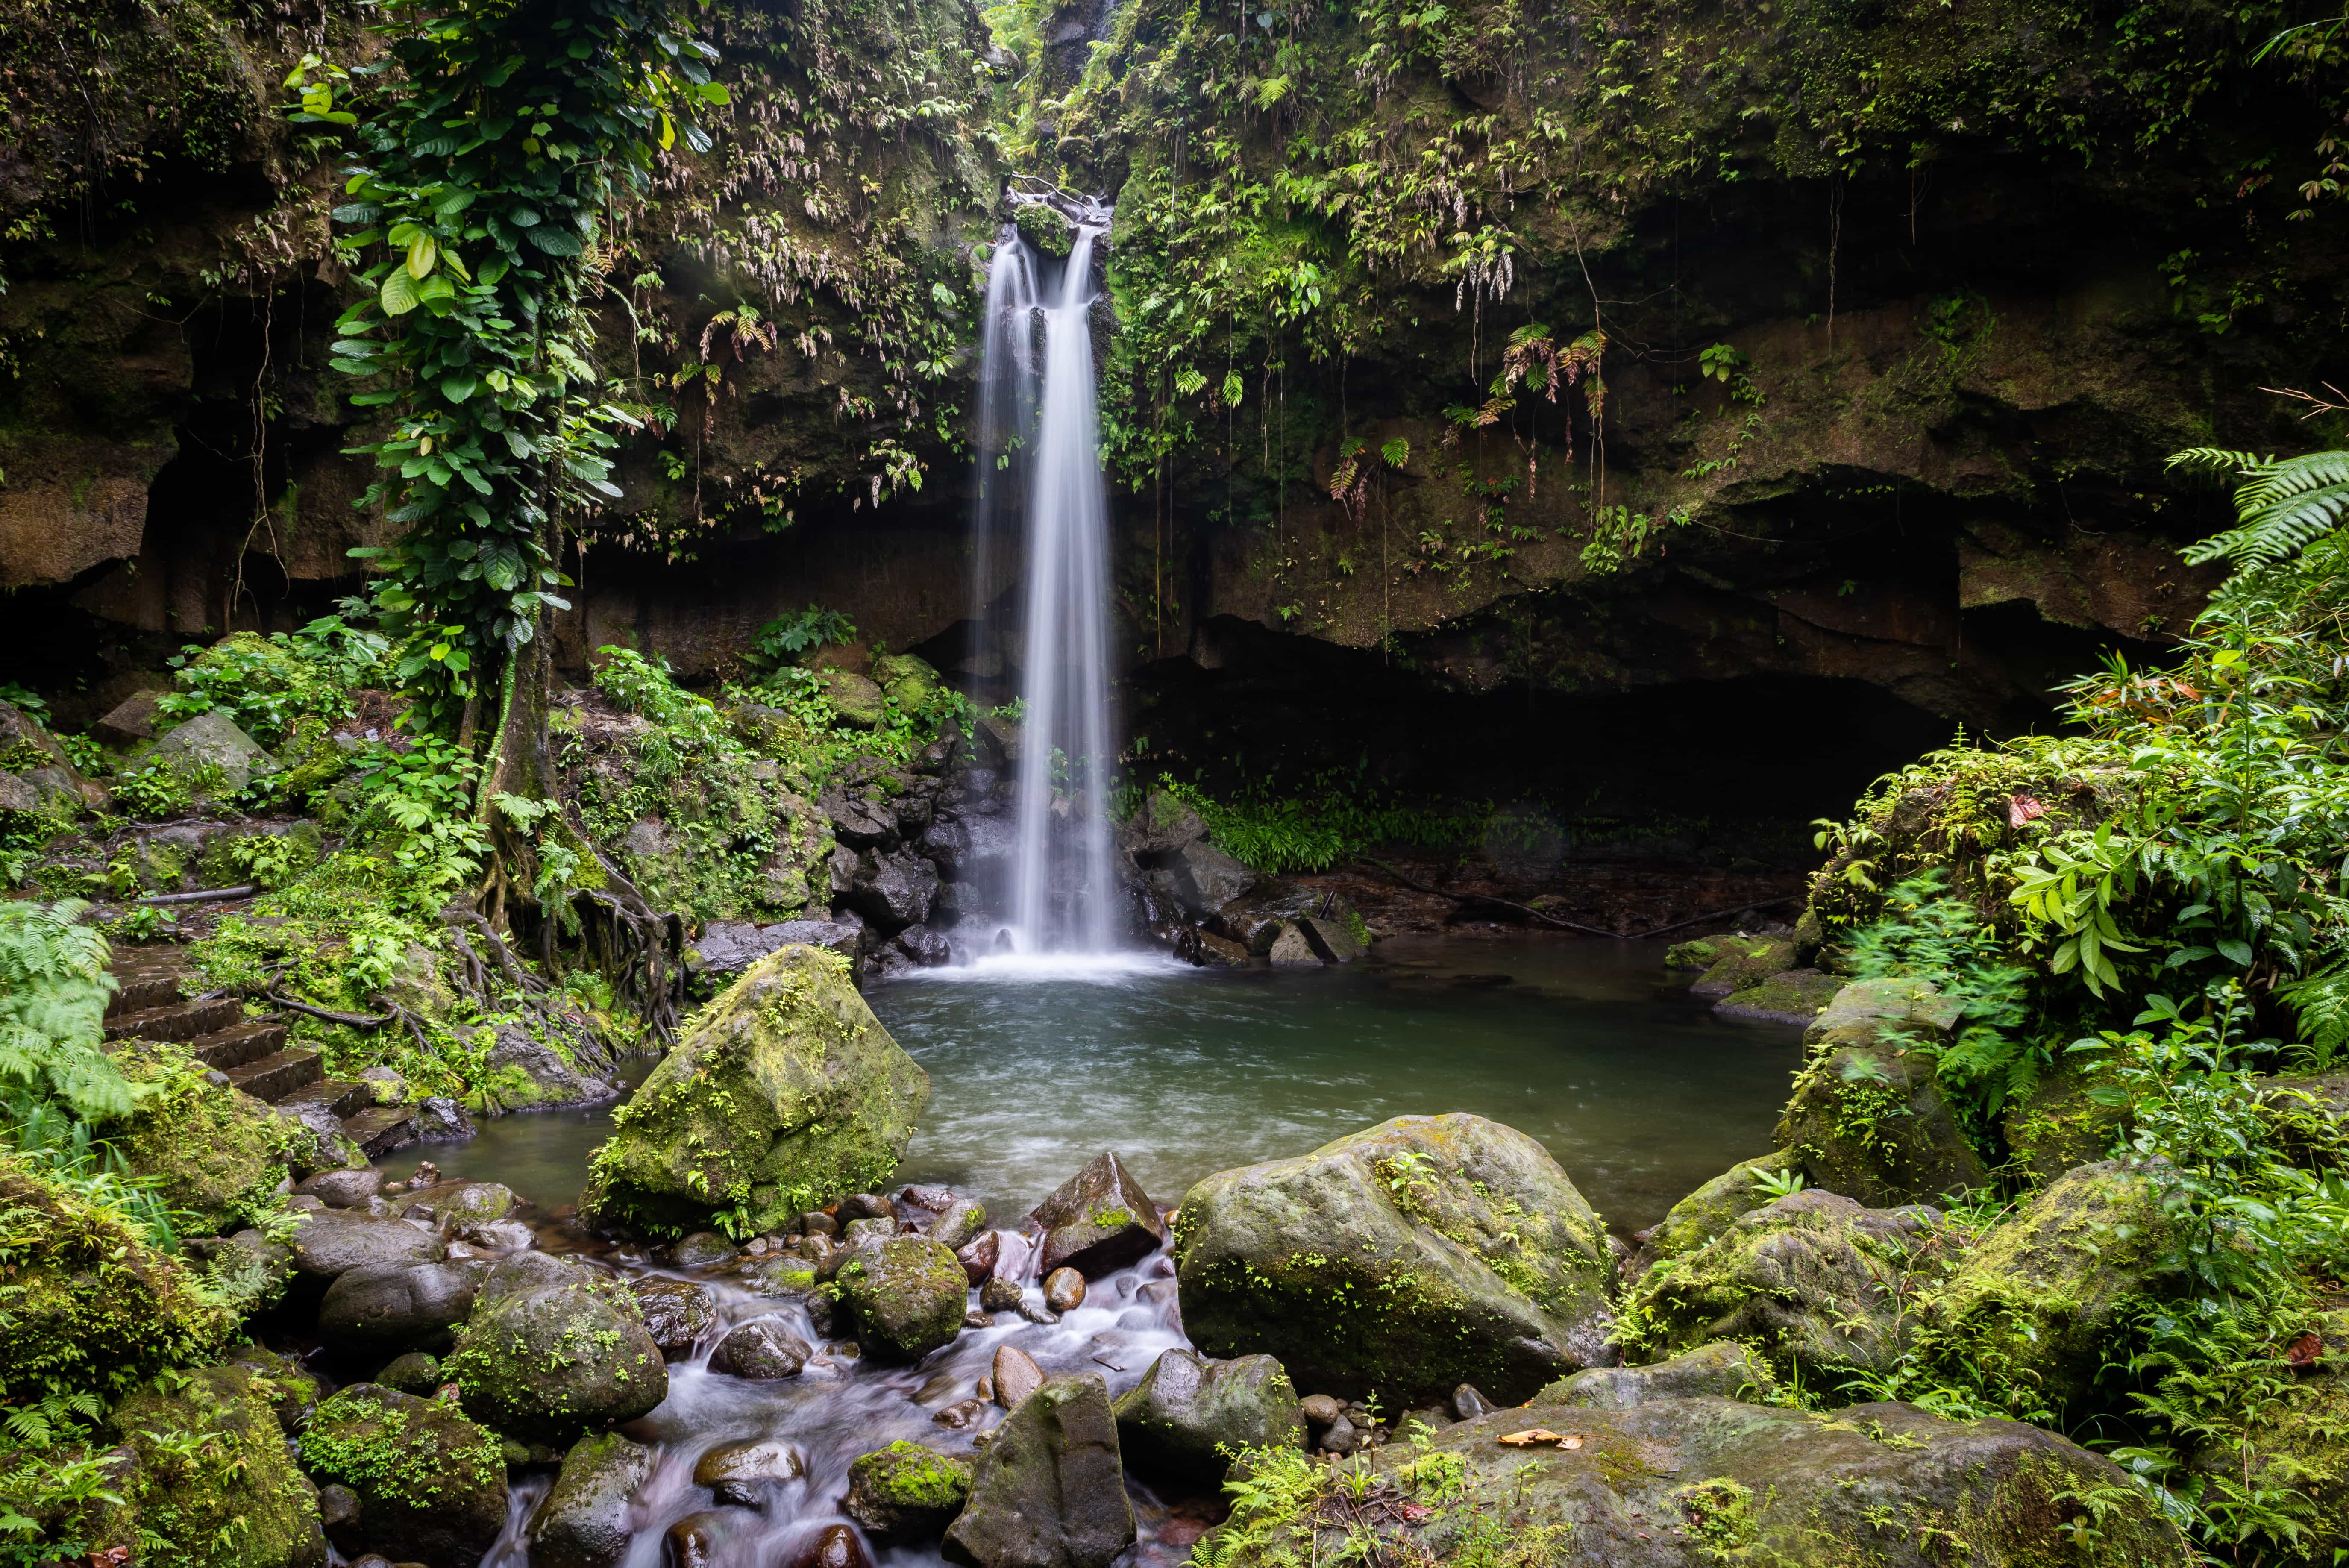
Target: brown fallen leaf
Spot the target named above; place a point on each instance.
(2304, 1351)
(2022, 809)
(1541, 1435)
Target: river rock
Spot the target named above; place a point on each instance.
(1064, 1290)
(1292, 949)
(1868, 1119)
(407, 1305)
(431, 1485)
(1425, 1252)
(999, 1294)
(1684, 1480)
(763, 1350)
(1322, 1410)
(906, 1493)
(906, 1295)
(702, 1250)
(677, 1313)
(1049, 1489)
(418, 1373)
(786, 1093)
(2039, 1299)
(1015, 1375)
(586, 1518)
(743, 1473)
(1188, 1407)
(210, 1464)
(959, 1224)
(978, 1255)
(547, 1356)
(865, 1206)
(1723, 1367)
(1099, 1221)
(331, 1242)
(892, 888)
(697, 1539)
(210, 741)
(342, 1189)
(834, 1546)
(1812, 1280)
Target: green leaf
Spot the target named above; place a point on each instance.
(458, 388)
(398, 293)
(421, 253)
(2235, 950)
(555, 241)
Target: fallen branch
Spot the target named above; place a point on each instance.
(1721, 914)
(356, 1020)
(209, 896)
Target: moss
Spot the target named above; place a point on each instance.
(395, 1449)
(86, 1300)
(213, 1487)
(1711, 1209)
(910, 1476)
(215, 1155)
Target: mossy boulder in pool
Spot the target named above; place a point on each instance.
(1406, 1259)
(552, 1350)
(1711, 1209)
(1705, 1480)
(1810, 1280)
(212, 1478)
(90, 1302)
(432, 1484)
(1048, 1491)
(1794, 996)
(907, 1296)
(788, 1093)
(1189, 1415)
(906, 1493)
(2037, 1303)
(1867, 1117)
(1740, 961)
(584, 1522)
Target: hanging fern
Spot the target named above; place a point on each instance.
(2282, 505)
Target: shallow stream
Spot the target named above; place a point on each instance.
(1639, 1096)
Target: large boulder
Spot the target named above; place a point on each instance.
(1098, 1221)
(214, 1155)
(906, 1493)
(1673, 1481)
(212, 1477)
(786, 1094)
(331, 1242)
(1868, 1119)
(907, 1295)
(400, 1307)
(88, 1302)
(2036, 1305)
(524, 1073)
(1049, 1488)
(1188, 1415)
(430, 1484)
(1813, 1281)
(1711, 1209)
(586, 1520)
(1406, 1259)
(210, 746)
(553, 1349)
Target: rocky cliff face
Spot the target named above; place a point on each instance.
(1793, 377)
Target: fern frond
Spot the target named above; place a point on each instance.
(2216, 458)
(2282, 505)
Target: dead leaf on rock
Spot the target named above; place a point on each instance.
(1532, 1435)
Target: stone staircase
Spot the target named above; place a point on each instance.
(252, 1053)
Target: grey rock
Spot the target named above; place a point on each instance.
(214, 740)
(331, 1242)
(997, 1295)
(1099, 1221)
(409, 1306)
(1186, 1408)
(958, 1222)
(892, 890)
(741, 1473)
(1340, 1438)
(1320, 1409)
(677, 1313)
(544, 1360)
(1723, 1367)
(586, 1518)
(702, 1250)
(441, 1120)
(1467, 1403)
(342, 1189)
(925, 948)
(763, 1350)
(416, 1372)
(1049, 1489)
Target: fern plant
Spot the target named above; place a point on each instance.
(2282, 505)
(53, 990)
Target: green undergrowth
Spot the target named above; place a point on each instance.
(1325, 824)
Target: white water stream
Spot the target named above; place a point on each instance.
(1063, 892)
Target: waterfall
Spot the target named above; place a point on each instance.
(1064, 887)
(1006, 412)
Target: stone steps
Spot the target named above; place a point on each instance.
(251, 1052)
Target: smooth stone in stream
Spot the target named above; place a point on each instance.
(1099, 1221)
(677, 1313)
(342, 1189)
(959, 1223)
(1064, 1290)
(1016, 1375)
(865, 1206)
(906, 1493)
(701, 1250)
(741, 1473)
(937, 1200)
(960, 1414)
(977, 1255)
(584, 1519)
(906, 1296)
(694, 1541)
(999, 1294)
(1049, 1489)
(1322, 1410)
(834, 1546)
(553, 1351)
(1038, 1313)
(332, 1241)
(1188, 1415)
(761, 1349)
(411, 1305)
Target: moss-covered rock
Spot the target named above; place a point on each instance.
(1048, 1491)
(1673, 1480)
(2058, 1125)
(214, 1487)
(907, 1296)
(1720, 1366)
(1812, 1282)
(215, 1154)
(1425, 1252)
(787, 1093)
(907, 680)
(551, 1350)
(2035, 1305)
(1741, 962)
(431, 1485)
(584, 1519)
(1790, 996)
(856, 700)
(906, 1493)
(1867, 1117)
(1189, 1415)
(86, 1301)
(1711, 1209)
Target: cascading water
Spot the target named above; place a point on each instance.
(1063, 883)
(1006, 413)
